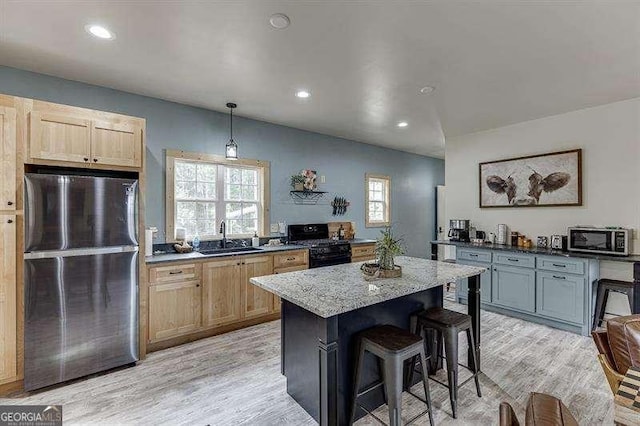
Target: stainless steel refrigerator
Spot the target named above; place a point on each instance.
(80, 276)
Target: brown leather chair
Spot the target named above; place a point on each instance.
(619, 347)
(542, 410)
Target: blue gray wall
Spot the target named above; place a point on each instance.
(343, 162)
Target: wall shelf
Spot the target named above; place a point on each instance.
(306, 197)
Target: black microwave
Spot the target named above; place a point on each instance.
(614, 241)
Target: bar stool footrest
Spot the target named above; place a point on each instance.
(374, 385)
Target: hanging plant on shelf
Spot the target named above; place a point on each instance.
(297, 182)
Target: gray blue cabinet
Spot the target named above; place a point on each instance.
(552, 290)
(479, 258)
(514, 288)
(485, 282)
(560, 296)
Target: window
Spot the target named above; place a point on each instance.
(203, 190)
(377, 200)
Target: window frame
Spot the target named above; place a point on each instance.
(264, 191)
(387, 200)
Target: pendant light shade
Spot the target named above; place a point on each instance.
(231, 149)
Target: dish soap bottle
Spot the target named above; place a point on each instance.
(196, 242)
(255, 240)
(341, 233)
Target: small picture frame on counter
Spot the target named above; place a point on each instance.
(542, 242)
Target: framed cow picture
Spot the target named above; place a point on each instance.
(546, 180)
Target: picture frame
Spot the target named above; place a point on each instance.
(543, 180)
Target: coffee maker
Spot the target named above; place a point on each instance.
(459, 230)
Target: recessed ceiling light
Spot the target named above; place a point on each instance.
(427, 89)
(100, 32)
(279, 21)
(303, 94)
(402, 124)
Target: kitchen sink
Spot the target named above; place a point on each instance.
(230, 250)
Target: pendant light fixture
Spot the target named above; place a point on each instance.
(231, 147)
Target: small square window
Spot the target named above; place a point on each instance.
(377, 196)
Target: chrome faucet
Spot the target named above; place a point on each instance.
(223, 231)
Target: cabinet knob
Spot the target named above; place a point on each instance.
(10, 221)
(95, 160)
(86, 159)
(9, 203)
(197, 285)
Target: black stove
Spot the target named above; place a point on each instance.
(323, 251)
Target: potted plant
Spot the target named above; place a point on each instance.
(387, 247)
(297, 182)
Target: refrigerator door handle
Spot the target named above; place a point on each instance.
(79, 252)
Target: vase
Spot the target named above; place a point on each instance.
(298, 187)
(386, 261)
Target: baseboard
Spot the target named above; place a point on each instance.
(192, 337)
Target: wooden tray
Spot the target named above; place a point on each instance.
(372, 270)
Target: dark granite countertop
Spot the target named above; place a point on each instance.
(541, 251)
(357, 241)
(180, 257)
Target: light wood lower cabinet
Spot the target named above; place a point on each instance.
(202, 297)
(222, 295)
(8, 318)
(362, 252)
(174, 309)
(256, 301)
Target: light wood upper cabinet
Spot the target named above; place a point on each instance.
(82, 137)
(7, 158)
(59, 137)
(8, 318)
(117, 144)
(256, 301)
(221, 282)
(175, 308)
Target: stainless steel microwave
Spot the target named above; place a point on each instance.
(611, 241)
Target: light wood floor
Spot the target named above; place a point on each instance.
(235, 379)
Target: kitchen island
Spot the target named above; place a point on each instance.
(324, 308)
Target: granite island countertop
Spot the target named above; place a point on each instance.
(540, 251)
(334, 290)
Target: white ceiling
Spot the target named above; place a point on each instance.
(493, 62)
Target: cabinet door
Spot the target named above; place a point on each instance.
(116, 144)
(221, 282)
(7, 158)
(8, 317)
(514, 288)
(360, 252)
(560, 296)
(59, 137)
(256, 301)
(174, 309)
(485, 282)
(276, 300)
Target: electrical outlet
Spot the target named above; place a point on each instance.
(274, 228)
(322, 179)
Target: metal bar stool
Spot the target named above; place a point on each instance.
(392, 346)
(606, 286)
(447, 325)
